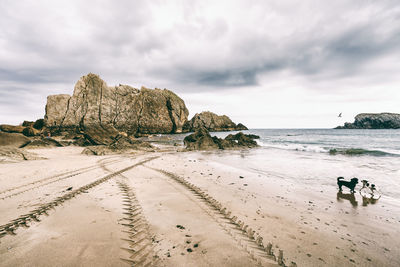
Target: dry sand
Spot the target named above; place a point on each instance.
(156, 213)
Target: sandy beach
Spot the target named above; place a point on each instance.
(157, 209)
(200, 133)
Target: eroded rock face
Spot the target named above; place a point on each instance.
(127, 109)
(202, 140)
(212, 122)
(374, 121)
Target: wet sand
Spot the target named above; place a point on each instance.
(181, 209)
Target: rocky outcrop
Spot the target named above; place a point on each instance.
(127, 109)
(28, 128)
(202, 140)
(100, 135)
(374, 121)
(13, 139)
(11, 128)
(212, 122)
(30, 131)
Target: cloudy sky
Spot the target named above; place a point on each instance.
(268, 64)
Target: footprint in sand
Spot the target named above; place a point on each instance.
(292, 236)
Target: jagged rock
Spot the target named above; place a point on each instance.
(56, 110)
(13, 139)
(11, 128)
(30, 131)
(374, 121)
(81, 141)
(28, 123)
(202, 140)
(97, 135)
(243, 139)
(127, 109)
(241, 127)
(39, 124)
(212, 122)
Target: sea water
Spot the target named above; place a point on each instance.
(314, 158)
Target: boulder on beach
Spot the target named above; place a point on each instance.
(13, 139)
(212, 122)
(97, 135)
(30, 131)
(127, 109)
(374, 121)
(243, 139)
(202, 140)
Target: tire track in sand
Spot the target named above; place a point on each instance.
(45, 181)
(34, 215)
(139, 237)
(251, 241)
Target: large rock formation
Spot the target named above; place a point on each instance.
(127, 109)
(202, 140)
(212, 122)
(374, 121)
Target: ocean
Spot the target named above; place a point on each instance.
(316, 157)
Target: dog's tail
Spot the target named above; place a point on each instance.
(339, 178)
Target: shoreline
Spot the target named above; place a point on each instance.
(312, 228)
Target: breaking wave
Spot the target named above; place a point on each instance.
(330, 150)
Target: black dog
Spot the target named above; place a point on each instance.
(350, 184)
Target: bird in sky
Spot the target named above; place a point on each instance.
(340, 115)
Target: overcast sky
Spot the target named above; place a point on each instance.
(267, 64)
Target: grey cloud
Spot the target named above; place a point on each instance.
(45, 45)
(226, 78)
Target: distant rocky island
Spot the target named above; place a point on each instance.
(374, 121)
